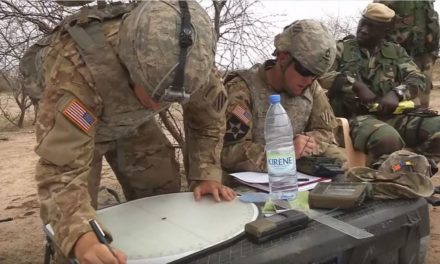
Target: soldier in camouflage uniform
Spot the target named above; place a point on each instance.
(106, 73)
(370, 70)
(304, 50)
(416, 28)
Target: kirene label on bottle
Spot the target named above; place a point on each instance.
(280, 161)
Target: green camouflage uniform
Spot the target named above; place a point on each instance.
(382, 70)
(248, 94)
(115, 125)
(417, 30)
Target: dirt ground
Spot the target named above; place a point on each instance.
(22, 240)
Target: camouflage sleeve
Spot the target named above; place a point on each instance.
(326, 81)
(65, 144)
(240, 153)
(409, 73)
(322, 120)
(204, 120)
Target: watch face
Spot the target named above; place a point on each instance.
(399, 93)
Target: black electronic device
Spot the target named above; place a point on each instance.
(266, 228)
(319, 166)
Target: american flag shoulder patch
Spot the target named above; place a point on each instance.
(79, 115)
(242, 114)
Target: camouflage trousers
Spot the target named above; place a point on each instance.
(144, 164)
(379, 137)
(425, 62)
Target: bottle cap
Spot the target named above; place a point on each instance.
(274, 98)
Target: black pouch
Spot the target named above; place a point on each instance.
(264, 229)
(319, 166)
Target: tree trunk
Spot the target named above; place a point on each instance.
(20, 121)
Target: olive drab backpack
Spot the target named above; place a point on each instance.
(31, 68)
(32, 62)
(403, 174)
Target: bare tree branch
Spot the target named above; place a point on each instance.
(340, 27)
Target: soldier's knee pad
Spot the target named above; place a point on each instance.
(370, 133)
(384, 140)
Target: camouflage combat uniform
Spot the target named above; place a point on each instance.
(248, 94)
(416, 29)
(382, 70)
(79, 124)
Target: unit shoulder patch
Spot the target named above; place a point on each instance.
(235, 130)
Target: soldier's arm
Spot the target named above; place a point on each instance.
(204, 120)
(240, 153)
(409, 74)
(322, 120)
(65, 146)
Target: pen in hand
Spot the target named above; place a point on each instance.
(100, 234)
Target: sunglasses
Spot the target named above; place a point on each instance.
(303, 71)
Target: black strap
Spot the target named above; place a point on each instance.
(176, 92)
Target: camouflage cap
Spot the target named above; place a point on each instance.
(310, 43)
(406, 161)
(386, 185)
(149, 46)
(403, 174)
(378, 12)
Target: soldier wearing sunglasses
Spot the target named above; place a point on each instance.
(304, 51)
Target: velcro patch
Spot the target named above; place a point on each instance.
(326, 117)
(235, 130)
(219, 101)
(241, 113)
(76, 112)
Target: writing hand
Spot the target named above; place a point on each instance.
(88, 250)
(304, 145)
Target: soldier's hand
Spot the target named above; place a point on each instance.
(88, 250)
(366, 96)
(304, 145)
(388, 103)
(218, 191)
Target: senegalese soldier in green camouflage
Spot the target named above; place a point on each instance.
(416, 28)
(370, 70)
(106, 73)
(304, 50)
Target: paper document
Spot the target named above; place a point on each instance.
(260, 180)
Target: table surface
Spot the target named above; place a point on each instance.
(306, 246)
(317, 241)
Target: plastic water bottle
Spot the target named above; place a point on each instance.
(280, 152)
